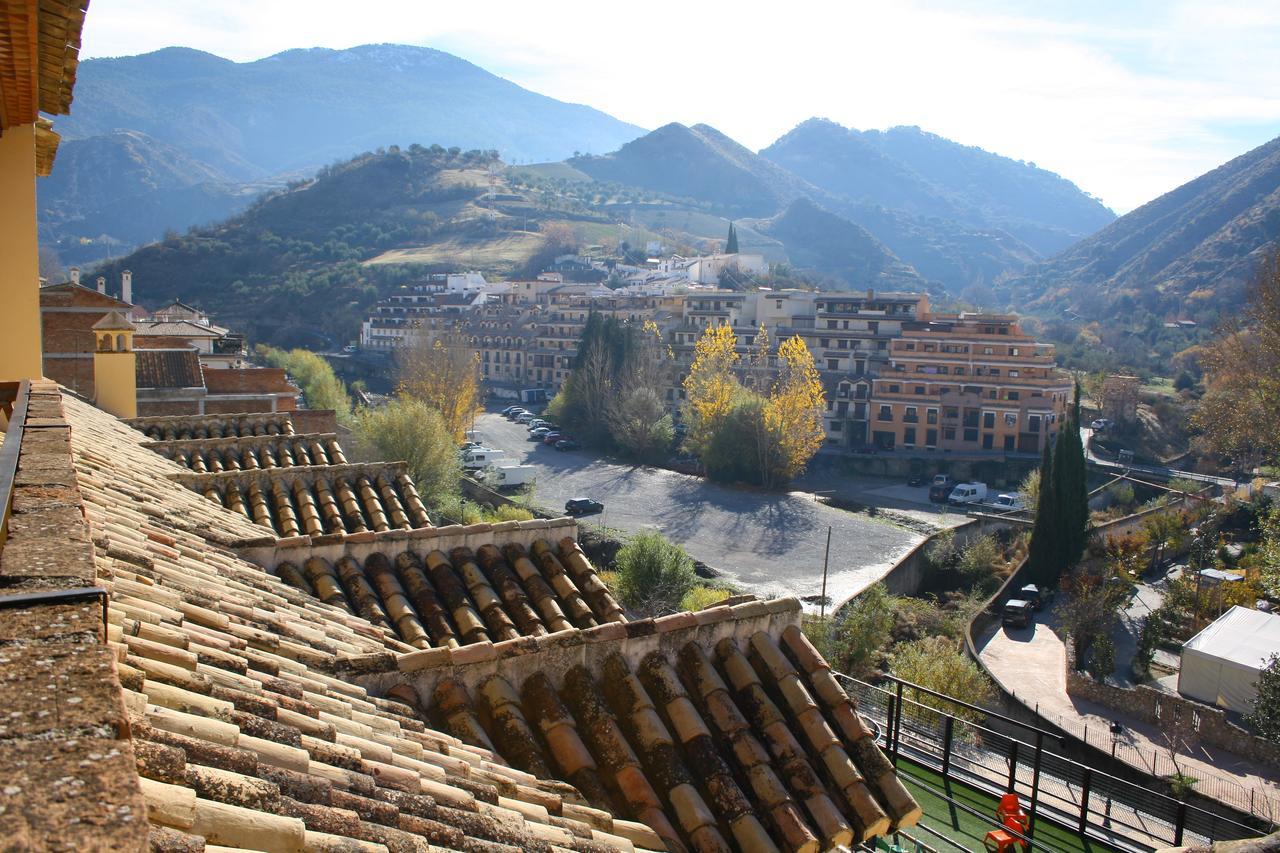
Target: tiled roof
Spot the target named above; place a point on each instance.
(183, 427)
(262, 716)
(168, 368)
(235, 453)
(318, 500)
(244, 733)
(432, 598)
(180, 329)
(248, 380)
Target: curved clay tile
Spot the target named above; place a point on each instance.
(308, 512)
(249, 460)
(714, 775)
(329, 510)
(213, 461)
(771, 727)
(284, 455)
(325, 582)
(509, 589)
(540, 592)
(372, 506)
(560, 732)
(451, 590)
(619, 765)
(286, 519)
(571, 599)
(821, 740)
(413, 576)
(452, 710)
(318, 456)
(380, 573)
(293, 576)
(710, 694)
(230, 459)
(587, 578)
(336, 456)
(391, 503)
(873, 763)
(413, 503)
(359, 591)
(232, 499)
(656, 746)
(197, 462)
(508, 727)
(258, 506)
(483, 594)
(351, 515)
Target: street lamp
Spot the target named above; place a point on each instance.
(1117, 732)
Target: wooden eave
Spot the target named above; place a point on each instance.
(39, 53)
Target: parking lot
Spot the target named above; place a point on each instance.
(767, 542)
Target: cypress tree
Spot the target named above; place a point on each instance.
(1045, 545)
(1076, 491)
(731, 245)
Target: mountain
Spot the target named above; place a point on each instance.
(125, 188)
(705, 168)
(699, 163)
(1187, 255)
(925, 175)
(819, 239)
(303, 108)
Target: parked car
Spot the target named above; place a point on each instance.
(515, 413)
(1100, 423)
(552, 437)
(1033, 594)
(1016, 613)
(349, 348)
(583, 506)
(469, 445)
(506, 413)
(968, 493)
(916, 480)
(567, 444)
(539, 433)
(524, 417)
(940, 488)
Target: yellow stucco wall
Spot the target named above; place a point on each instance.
(19, 258)
(116, 382)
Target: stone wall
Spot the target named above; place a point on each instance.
(314, 420)
(907, 575)
(68, 766)
(1142, 702)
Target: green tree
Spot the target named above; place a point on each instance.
(855, 640)
(938, 664)
(731, 245)
(408, 429)
(1264, 719)
(1045, 552)
(314, 375)
(1269, 552)
(654, 574)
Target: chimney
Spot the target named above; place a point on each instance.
(126, 286)
(75, 275)
(871, 294)
(102, 285)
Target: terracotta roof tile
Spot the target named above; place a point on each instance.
(168, 368)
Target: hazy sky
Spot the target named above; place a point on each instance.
(1128, 98)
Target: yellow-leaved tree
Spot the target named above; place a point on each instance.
(444, 372)
(793, 410)
(710, 387)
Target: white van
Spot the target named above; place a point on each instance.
(478, 458)
(968, 493)
(1006, 502)
(510, 476)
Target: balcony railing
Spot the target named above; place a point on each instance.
(13, 403)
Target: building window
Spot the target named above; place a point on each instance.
(894, 389)
(988, 441)
(959, 371)
(1013, 374)
(1013, 395)
(886, 413)
(1008, 442)
(1033, 423)
(837, 426)
(970, 435)
(1013, 351)
(949, 433)
(920, 390)
(931, 416)
(988, 420)
(931, 438)
(1010, 419)
(988, 351)
(909, 437)
(911, 416)
(833, 364)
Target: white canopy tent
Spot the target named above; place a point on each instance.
(1220, 665)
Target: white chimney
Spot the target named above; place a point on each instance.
(75, 275)
(102, 285)
(126, 286)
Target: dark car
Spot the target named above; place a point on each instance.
(567, 444)
(512, 414)
(583, 506)
(916, 480)
(508, 410)
(939, 494)
(1016, 613)
(1032, 594)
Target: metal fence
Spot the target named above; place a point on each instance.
(962, 744)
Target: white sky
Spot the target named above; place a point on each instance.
(1128, 98)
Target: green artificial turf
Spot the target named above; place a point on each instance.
(968, 831)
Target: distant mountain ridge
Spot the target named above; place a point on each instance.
(1189, 254)
(304, 108)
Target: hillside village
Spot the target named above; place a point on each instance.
(866, 492)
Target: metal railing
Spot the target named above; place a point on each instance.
(13, 403)
(998, 754)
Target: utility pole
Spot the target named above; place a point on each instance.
(825, 559)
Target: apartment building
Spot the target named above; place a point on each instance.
(967, 383)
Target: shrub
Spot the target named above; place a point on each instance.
(701, 597)
(410, 430)
(938, 664)
(654, 575)
(978, 562)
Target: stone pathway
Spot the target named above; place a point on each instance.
(1030, 664)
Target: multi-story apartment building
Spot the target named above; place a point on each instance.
(967, 383)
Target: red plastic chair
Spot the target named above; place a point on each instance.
(1010, 813)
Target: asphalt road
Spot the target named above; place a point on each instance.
(768, 543)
